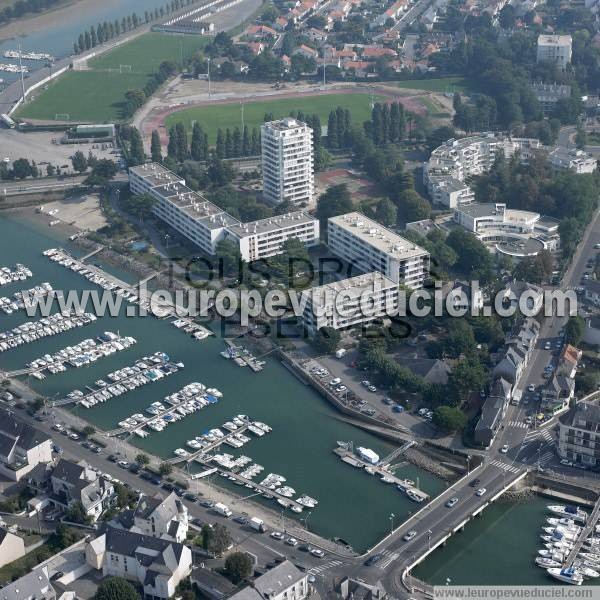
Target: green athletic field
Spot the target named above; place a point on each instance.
(97, 95)
(439, 84)
(211, 118)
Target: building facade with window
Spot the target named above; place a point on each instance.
(579, 434)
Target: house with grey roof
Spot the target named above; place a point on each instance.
(557, 394)
(22, 447)
(11, 547)
(492, 412)
(33, 586)
(283, 582)
(75, 482)
(165, 518)
(519, 348)
(157, 565)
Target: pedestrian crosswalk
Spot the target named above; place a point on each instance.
(543, 434)
(505, 466)
(518, 424)
(325, 567)
(546, 457)
(388, 558)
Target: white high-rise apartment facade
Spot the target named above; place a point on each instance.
(287, 161)
(556, 49)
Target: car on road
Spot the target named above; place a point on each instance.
(372, 388)
(73, 436)
(134, 468)
(504, 449)
(480, 492)
(566, 463)
(317, 552)
(240, 519)
(111, 457)
(56, 576)
(123, 464)
(190, 497)
(422, 412)
(197, 522)
(531, 387)
(277, 535)
(206, 503)
(597, 246)
(365, 383)
(452, 502)
(145, 476)
(373, 560)
(155, 481)
(291, 541)
(411, 535)
(475, 482)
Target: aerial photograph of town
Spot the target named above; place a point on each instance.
(299, 299)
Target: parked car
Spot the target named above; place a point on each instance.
(373, 560)
(504, 449)
(475, 482)
(277, 535)
(291, 541)
(566, 463)
(317, 552)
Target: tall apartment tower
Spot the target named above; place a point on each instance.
(287, 161)
(555, 48)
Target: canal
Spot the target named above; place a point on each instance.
(352, 504)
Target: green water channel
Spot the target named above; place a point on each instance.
(352, 504)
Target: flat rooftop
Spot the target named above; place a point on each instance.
(378, 236)
(275, 223)
(155, 174)
(488, 209)
(353, 287)
(285, 124)
(555, 40)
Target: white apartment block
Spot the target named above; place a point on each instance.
(205, 224)
(265, 238)
(287, 161)
(556, 49)
(349, 302)
(572, 159)
(370, 246)
(455, 160)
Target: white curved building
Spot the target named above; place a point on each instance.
(456, 160)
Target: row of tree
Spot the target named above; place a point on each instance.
(387, 124)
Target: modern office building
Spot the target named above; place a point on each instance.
(369, 246)
(205, 224)
(350, 302)
(287, 161)
(556, 49)
(516, 233)
(455, 160)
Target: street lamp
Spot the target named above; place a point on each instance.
(468, 464)
(429, 532)
(392, 515)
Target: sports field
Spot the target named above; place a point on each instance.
(439, 84)
(222, 116)
(97, 95)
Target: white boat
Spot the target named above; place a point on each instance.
(569, 575)
(586, 570)
(547, 563)
(569, 511)
(414, 496)
(559, 521)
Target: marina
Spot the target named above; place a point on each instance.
(242, 357)
(148, 370)
(282, 401)
(28, 55)
(80, 355)
(20, 299)
(10, 68)
(31, 331)
(11, 274)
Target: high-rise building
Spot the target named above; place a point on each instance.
(556, 49)
(287, 161)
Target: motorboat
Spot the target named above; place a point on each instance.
(547, 563)
(586, 570)
(569, 511)
(569, 575)
(414, 496)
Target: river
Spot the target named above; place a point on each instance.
(352, 504)
(58, 39)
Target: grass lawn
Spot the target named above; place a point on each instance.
(229, 115)
(439, 84)
(97, 95)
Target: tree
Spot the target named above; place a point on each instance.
(412, 207)
(326, 340)
(386, 212)
(197, 149)
(238, 566)
(136, 147)
(474, 259)
(76, 514)
(468, 375)
(142, 205)
(142, 459)
(155, 147)
(88, 431)
(215, 539)
(79, 161)
(574, 330)
(228, 253)
(103, 171)
(21, 168)
(116, 588)
(449, 418)
(165, 469)
(335, 201)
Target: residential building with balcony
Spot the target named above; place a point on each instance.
(579, 434)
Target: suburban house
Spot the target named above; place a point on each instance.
(33, 586)
(284, 582)
(211, 584)
(166, 519)
(307, 52)
(557, 393)
(157, 565)
(11, 547)
(492, 412)
(72, 482)
(432, 370)
(519, 349)
(22, 447)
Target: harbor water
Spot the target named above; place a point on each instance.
(305, 427)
